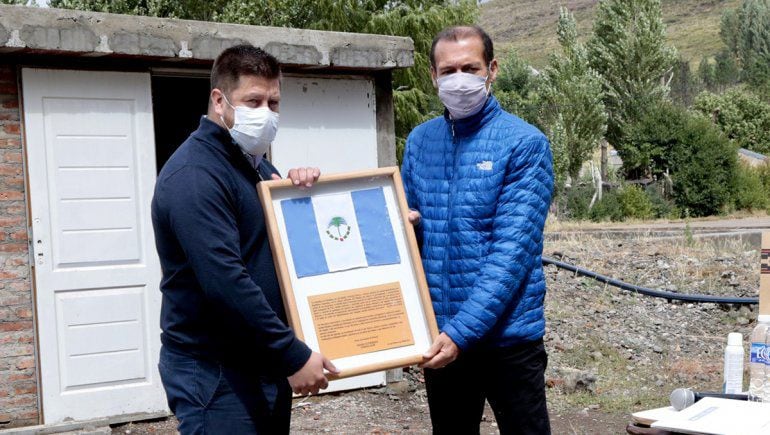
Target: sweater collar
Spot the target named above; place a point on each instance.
(219, 138)
(471, 124)
(214, 134)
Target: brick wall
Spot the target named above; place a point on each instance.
(18, 384)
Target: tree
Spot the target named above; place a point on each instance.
(515, 87)
(201, 10)
(701, 161)
(741, 115)
(684, 84)
(707, 74)
(726, 72)
(628, 48)
(746, 33)
(414, 98)
(571, 99)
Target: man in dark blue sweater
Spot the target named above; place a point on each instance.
(228, 361)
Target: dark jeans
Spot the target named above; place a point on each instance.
(209, 398)
(510, 378)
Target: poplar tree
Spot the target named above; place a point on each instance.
(746, 32)
(628, 49)
(571, 100)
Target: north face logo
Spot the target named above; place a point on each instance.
(486, 165)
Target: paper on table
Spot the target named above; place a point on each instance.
(712, 415)
(650, 416)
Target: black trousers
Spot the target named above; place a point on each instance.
(512, 379)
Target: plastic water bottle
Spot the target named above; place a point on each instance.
(733, 372)
(759, 361)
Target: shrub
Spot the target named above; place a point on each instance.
(702, 162)
(661, 207)
(634, 203)
(741, 115)
(750, 191)
(575, 200)
(608, 209)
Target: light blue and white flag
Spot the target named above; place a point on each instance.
(340, 231)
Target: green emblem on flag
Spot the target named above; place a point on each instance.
(337, 226)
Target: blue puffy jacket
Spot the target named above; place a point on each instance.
(483, 186)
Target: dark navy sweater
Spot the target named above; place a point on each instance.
(221, 298)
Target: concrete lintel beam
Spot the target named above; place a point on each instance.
(62, 31)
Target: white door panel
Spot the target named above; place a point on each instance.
(91, 162)
(330, 123)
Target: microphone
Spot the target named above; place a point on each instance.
(681, 398)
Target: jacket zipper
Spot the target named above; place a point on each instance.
(453, 168)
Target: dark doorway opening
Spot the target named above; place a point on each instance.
(177, 105)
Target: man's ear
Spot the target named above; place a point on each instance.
(217, 101)
(493, 68)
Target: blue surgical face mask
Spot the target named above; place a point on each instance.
(253, 129)
(463, 94)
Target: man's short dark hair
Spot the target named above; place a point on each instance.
(457, 33)
(241, 60)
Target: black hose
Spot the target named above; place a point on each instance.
(648, 291)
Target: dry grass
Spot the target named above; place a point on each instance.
(529, 26)
(676, 264)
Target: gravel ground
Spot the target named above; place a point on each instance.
(611, 352)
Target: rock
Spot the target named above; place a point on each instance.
(574, 380)
(742, 321)
(399, 387)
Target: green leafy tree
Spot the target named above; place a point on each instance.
(414, 97)
(571, 95)
(746, 32)
(516, 86)
(202, 10)
(707, 74)
(701, 161)
(557, 136)
(726, 72)
(684, 84)
(628, 48)
(741, 115)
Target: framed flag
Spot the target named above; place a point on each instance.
(350, 270)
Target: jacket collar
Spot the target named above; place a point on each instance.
(467, 126)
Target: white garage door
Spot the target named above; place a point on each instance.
(91, 163)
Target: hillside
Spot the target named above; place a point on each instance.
(529, 26)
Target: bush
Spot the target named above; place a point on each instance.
(608, 209)
(573, 204)
(702, 162)
(741, 115)
(661, 207)
(634, 203)
(750, 191)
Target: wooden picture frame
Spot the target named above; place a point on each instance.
(369, 309)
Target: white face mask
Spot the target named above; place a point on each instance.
(253, 129)
(463, 94)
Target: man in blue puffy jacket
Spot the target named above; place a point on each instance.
(480, 181)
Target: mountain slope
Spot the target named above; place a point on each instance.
(529, 26)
